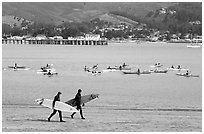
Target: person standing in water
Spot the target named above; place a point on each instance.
(56, 98)
(77, 99)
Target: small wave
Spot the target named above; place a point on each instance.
(146, 109)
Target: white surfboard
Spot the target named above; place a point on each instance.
(58, 105)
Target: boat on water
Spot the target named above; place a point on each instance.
(50, 73)
(44, 70)
(21, 69)
(136, 72)
(16, 67)
(193, 46)
(94, 73)
(123, 68)
(158, 71)
(177, 69)
(116, 68)
(187, 75)
(109, 70)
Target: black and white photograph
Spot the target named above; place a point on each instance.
(100, 66)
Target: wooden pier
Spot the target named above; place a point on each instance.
(56, 42)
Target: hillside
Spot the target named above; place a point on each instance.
(57, 13)
(182, 17)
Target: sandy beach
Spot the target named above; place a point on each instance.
(99, 119)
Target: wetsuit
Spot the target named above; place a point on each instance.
(78, 104)
(57, 98)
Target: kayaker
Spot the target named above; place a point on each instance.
(77, 99)
(120, 67)
(179, 67)
(49, 72)
(85, 68)
(108, 67)
(138, 71)
(172, 66)
(95, 66)
(124, 65)
(15, 66)
(94, 72)
(47, 66)
(56, 98)
(187, 73)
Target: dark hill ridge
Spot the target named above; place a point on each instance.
(59, 12)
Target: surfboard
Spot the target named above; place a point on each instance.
(58, 105)
(84, 99)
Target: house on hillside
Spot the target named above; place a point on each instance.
(40, 37)
(92, 37)
(57, 37)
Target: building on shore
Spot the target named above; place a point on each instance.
(89, 39)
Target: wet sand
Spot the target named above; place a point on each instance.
(17, 118)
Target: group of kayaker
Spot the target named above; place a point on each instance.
(92, 70)
(48, 69)
(178, 67)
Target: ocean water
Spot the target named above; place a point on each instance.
(154, 91)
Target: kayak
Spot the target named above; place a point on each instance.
(160, 71)
(110, 70)
(177, 69)
(189, 75)
(42, 72)
(21, 69)
(48, 69)
(52, 73)
(95, 73)
(18, 67)
(153, 66)
(136, 72)
(124, 68)
(45, 71)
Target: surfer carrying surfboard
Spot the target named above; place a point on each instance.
(56, 98)
(77, 99)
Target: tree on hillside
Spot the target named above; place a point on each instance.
(16, 31)
(6, 29)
